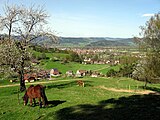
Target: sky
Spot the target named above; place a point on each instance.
(95, 18)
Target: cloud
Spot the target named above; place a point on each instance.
(148, 15)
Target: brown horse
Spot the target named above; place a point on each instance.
(34, 92)
(80, 83)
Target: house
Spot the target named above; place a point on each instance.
(95, 74)
(81, 73)
(108, 61)
(43, 74)
(69, 73)
(116, 62)
(29, 78)
(88, 61)
(54, 72)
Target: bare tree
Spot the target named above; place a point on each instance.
(28, 24)
(10, 18)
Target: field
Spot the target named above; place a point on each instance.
(100, 99)
(74, 66)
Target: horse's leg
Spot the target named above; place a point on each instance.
(30, 101)
(43, 100)
(40, 103)
(34, 101)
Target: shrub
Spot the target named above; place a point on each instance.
(111, 73)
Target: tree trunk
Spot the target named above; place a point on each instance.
(146, 81)
(10, 30)
(22, 82)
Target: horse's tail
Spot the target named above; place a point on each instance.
(44, 95)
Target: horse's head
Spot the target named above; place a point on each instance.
(25, 99)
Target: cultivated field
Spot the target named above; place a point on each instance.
(100, 99)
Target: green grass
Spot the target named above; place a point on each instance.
(4, 82)
(48, 64)
(51, 55)
(72, 66)
(108, 67)
(71, 102)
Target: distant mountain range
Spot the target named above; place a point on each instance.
(84, 41)
(96, 41)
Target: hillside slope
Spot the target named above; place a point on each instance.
(96, 41)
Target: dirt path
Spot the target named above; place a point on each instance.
(101, 87)
(128, 91)
(102, 68)
(42, 82)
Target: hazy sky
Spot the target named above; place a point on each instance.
(95, 18)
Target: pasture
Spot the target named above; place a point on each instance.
(77, 66)
(100, 99)
(74, 66)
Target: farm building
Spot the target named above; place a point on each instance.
(54, 72)
(95, 74)
(81, 73)
(42, 74)
(30, 77)
(69, 73)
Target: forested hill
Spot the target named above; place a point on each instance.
(83, 41)
(120, 42)
(96, 41)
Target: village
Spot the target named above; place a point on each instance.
(109, 57)
(54, 73)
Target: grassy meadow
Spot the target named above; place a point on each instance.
(102, 98)
(67, 101)
(74, 66)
